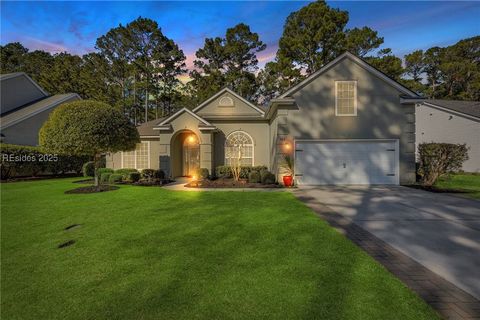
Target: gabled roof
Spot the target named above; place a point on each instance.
(219, 93)
(167, 121)
(360, 62)
(8, 76)
(470, 108)
(30, 110)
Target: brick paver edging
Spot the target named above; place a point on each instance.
(450, 301)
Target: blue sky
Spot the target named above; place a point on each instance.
(74, 26)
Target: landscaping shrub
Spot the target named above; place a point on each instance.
(148, 174)
(100, 171)
(105, 177)
(223, 172)
(134, 176)
(254, 177)
(115, 178)
(24, 161)
(160, 174)
(88, 169)
(203, 173)
(125, 171)
(226, 171)
(437, 159)
(267, 177)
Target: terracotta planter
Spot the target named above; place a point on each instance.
(288, 181)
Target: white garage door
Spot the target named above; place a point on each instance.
(346, 162)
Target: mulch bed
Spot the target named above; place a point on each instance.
(92, 189)
(228, 183)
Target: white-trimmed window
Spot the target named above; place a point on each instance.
(345, 98)
(138, 158)
(225, 102)
(239, 143)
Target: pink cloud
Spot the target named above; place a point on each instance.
(37, 44)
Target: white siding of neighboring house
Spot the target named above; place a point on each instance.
(436, 125)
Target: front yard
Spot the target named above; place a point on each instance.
(467, 184)
(149, 253)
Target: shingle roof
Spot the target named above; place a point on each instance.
(146, 129)
(471, 108)
(34, 108)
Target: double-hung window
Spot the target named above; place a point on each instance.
(138, 158)
(345, 98)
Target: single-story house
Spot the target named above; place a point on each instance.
(451, 122)
(24, 108)
(347, 123)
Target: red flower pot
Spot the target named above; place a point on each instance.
(288, 181)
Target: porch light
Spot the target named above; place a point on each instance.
(191, 139)
(287, 147)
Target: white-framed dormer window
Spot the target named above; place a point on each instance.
(138, 158)
(225, 102)
(239, 143)
(346, 98)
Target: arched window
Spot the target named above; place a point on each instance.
(225, 102)
(239, 146)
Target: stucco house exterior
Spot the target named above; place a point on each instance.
(348, 123)
(451, 122)
(25, 107)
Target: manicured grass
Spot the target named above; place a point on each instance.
(149, 253)
(469, 183)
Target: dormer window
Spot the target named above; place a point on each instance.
(345, 98)
(225, 102)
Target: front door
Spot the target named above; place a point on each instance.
(191, 156)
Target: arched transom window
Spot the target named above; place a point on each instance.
(239, 147)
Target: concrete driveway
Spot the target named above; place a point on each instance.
(439, 231)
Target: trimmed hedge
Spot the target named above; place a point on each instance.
(267, 177)
(125, 171)
(105, 177)
(437, 159)
(226, 171)
(27, 161)
(148, 174)
(134, 176)
(203, 173)
(254, 177)
(100, 171)
(115, 178)
(160, 174)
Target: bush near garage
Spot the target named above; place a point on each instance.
(148, 174)
(437, 159)
(160, 174)
(267, 177)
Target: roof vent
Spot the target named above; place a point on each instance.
(225, 102)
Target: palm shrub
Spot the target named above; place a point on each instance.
(437, 159)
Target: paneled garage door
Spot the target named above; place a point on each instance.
(346, 162)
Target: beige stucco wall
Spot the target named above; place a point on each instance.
(436, 125)
(240, 108)
(379, 114)
(114, 160)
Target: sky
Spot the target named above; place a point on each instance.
(74, 26)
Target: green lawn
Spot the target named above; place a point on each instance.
(469, 183)
(149, 253)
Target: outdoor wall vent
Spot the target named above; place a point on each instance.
(225, 102)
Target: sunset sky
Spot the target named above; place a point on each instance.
(74, 26)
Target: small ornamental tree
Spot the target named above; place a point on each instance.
(87, 127)
(437, 159)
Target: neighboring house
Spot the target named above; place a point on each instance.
(348, 123)
(24, 107)
(451, 122)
